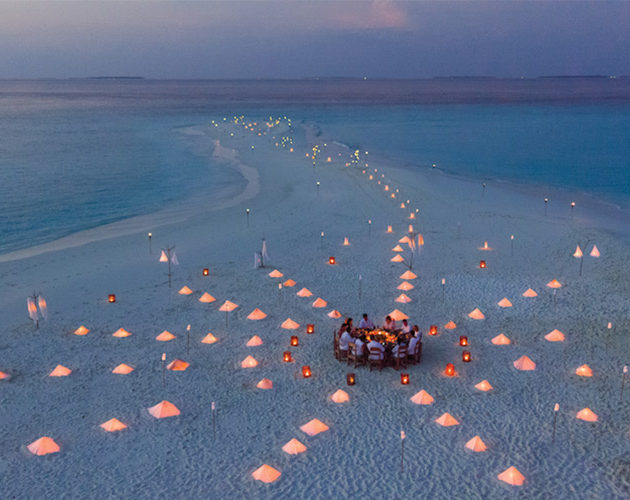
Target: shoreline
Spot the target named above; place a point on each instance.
(608, 214)
(178, 213)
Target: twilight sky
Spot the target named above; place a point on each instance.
(305, 38)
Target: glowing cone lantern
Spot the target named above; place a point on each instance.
(165, 336)
(81, 331)
(304, 292)
(60, 371)
(476, 314)
(422, 398)
(450, 325)
(113, 425)
(4, 376)
(276, 274)
(289, 283)
(289, 324)
(256, 315)
(206, 298)
(254, 341)
(334, 314)
(404, 239)
(485, 246)
(408, 275)
(595, 252)
(294, 447)
(249, 362)
(402, 298)
(227, 306)
(578, 253)
(265, 384)
(529, 293)
(476, 445)
(501, 340)
(121, 333)
(397, 258)
(346, 243)
(397, 248)
(587, 415)
(524, 364)
(164, 409)
(122, 369)
(163, 257)
(584, 371)
(512, 476)
(314, 427)
(340, 396)
(397, 315)
(504, 302)
(483, 386)
(446, 420)
(389, 229)
(555, 284)
(555, 336)
(209, 339)
(177, 365)
(185, 291)
(319, 303)
(266, 474)
(405, 286)
(43, 446)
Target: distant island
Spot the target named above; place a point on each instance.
(113, 78)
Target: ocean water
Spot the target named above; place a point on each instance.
(77, 154)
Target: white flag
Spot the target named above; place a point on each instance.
(174, 259)
(32, 309)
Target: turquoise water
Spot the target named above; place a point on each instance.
(79, 154)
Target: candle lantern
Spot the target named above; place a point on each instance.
(482, 264)
(466, 357)
(111, 298)
(294, 341)
(404, 378)
(310, 328)
(205, 271)
(331, 261)
(450, 370)
(350, 379)
(463, 340)
(287, 356)
(433, 330)
(306, 371)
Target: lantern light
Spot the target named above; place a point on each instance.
(466, 357)
(433, 330)
(111, 298)
(450, 370)
(294, 341)
(482, 264)
(306, 371)
(331, 261)
(350, 379)
(404, 378)
(463, 340)
(310, 328)
(287, 357)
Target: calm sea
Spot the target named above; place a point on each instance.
(77, 154)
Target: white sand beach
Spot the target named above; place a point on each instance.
(359, 456)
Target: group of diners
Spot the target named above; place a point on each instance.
(385, 344)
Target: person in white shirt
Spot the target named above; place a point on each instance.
(396, 348)
(390, 324)
(417, 337)
(345, 339)
(373, 344)
(406, 327)
(366, 323)
(360, 345)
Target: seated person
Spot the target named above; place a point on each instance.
(342, 328)
(417, 338)
(373, 344)
(366, 323)
(406, 327)
(397, 347)
(360, 345)
(350, 325)
(390, 324)
(345, 339)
